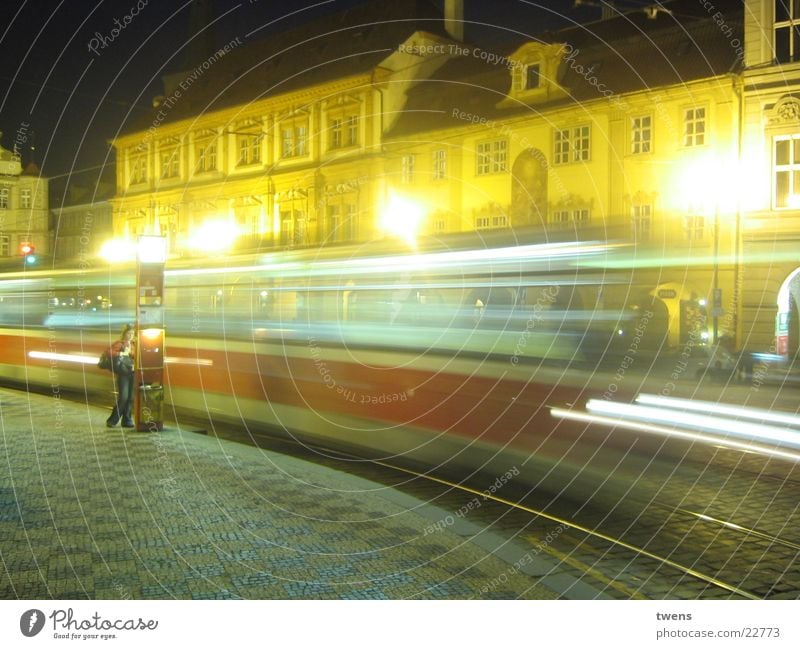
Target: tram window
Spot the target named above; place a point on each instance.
(369, 306)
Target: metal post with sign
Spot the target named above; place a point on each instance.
(149, 384)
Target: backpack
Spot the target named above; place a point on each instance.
(104, 363)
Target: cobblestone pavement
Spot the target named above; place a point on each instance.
(88, 512)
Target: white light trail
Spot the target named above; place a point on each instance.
(756, 414)
(92, 360)
(707, 423)
(675, 433)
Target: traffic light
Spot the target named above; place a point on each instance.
(28, 250)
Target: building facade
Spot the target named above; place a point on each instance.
(671, 128)
(256, 144)
(23, 208)
(770, 158)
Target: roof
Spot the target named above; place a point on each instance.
(629, 53)
(336, 46)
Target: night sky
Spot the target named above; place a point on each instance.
(69, 101)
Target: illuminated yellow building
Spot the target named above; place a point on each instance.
(665, 128)
(625, 129)
(279, 142)
(770, 187)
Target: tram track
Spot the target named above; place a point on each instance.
(586, 551)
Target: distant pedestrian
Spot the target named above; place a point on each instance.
(123, 355)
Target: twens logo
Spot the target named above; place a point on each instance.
(31, 622)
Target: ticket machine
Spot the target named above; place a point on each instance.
(149, 385)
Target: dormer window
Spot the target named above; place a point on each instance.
(534, 68)
(527, 77)
(531, 76)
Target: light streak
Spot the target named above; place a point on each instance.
(675, 433)
(92, 360)
(756, 414)
(708, 423)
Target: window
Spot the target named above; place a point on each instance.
(694, 228)
(4, 192)
(787, 31)
(139, 170)
(249, 150)
(170, 163)
(408, 169)
(642, 222)
(561, 153)
(491, 221)
(492, 157)
(572, 145)
(352, 130)
(5, 245)
(532, 76)
(571, 217)
(343, 131)
(25, 197)
(293, 227)
(439, 225)
(341, 224)
(694, 126)
(294, 140)
(787, 171)
(286, 228)
(641, 134)
(334, 223)
(439, 164)
(526, 77)
(580, 144)
(207, 157)
(336, 133)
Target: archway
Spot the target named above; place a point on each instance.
(787, 322)
(529, 189)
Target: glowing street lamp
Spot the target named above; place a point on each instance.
(217, 235)
(402, 218)
(118, 251)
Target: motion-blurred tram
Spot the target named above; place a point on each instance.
(446, 361)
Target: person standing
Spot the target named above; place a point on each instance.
(123, 358)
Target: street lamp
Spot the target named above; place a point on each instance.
(402, 217)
